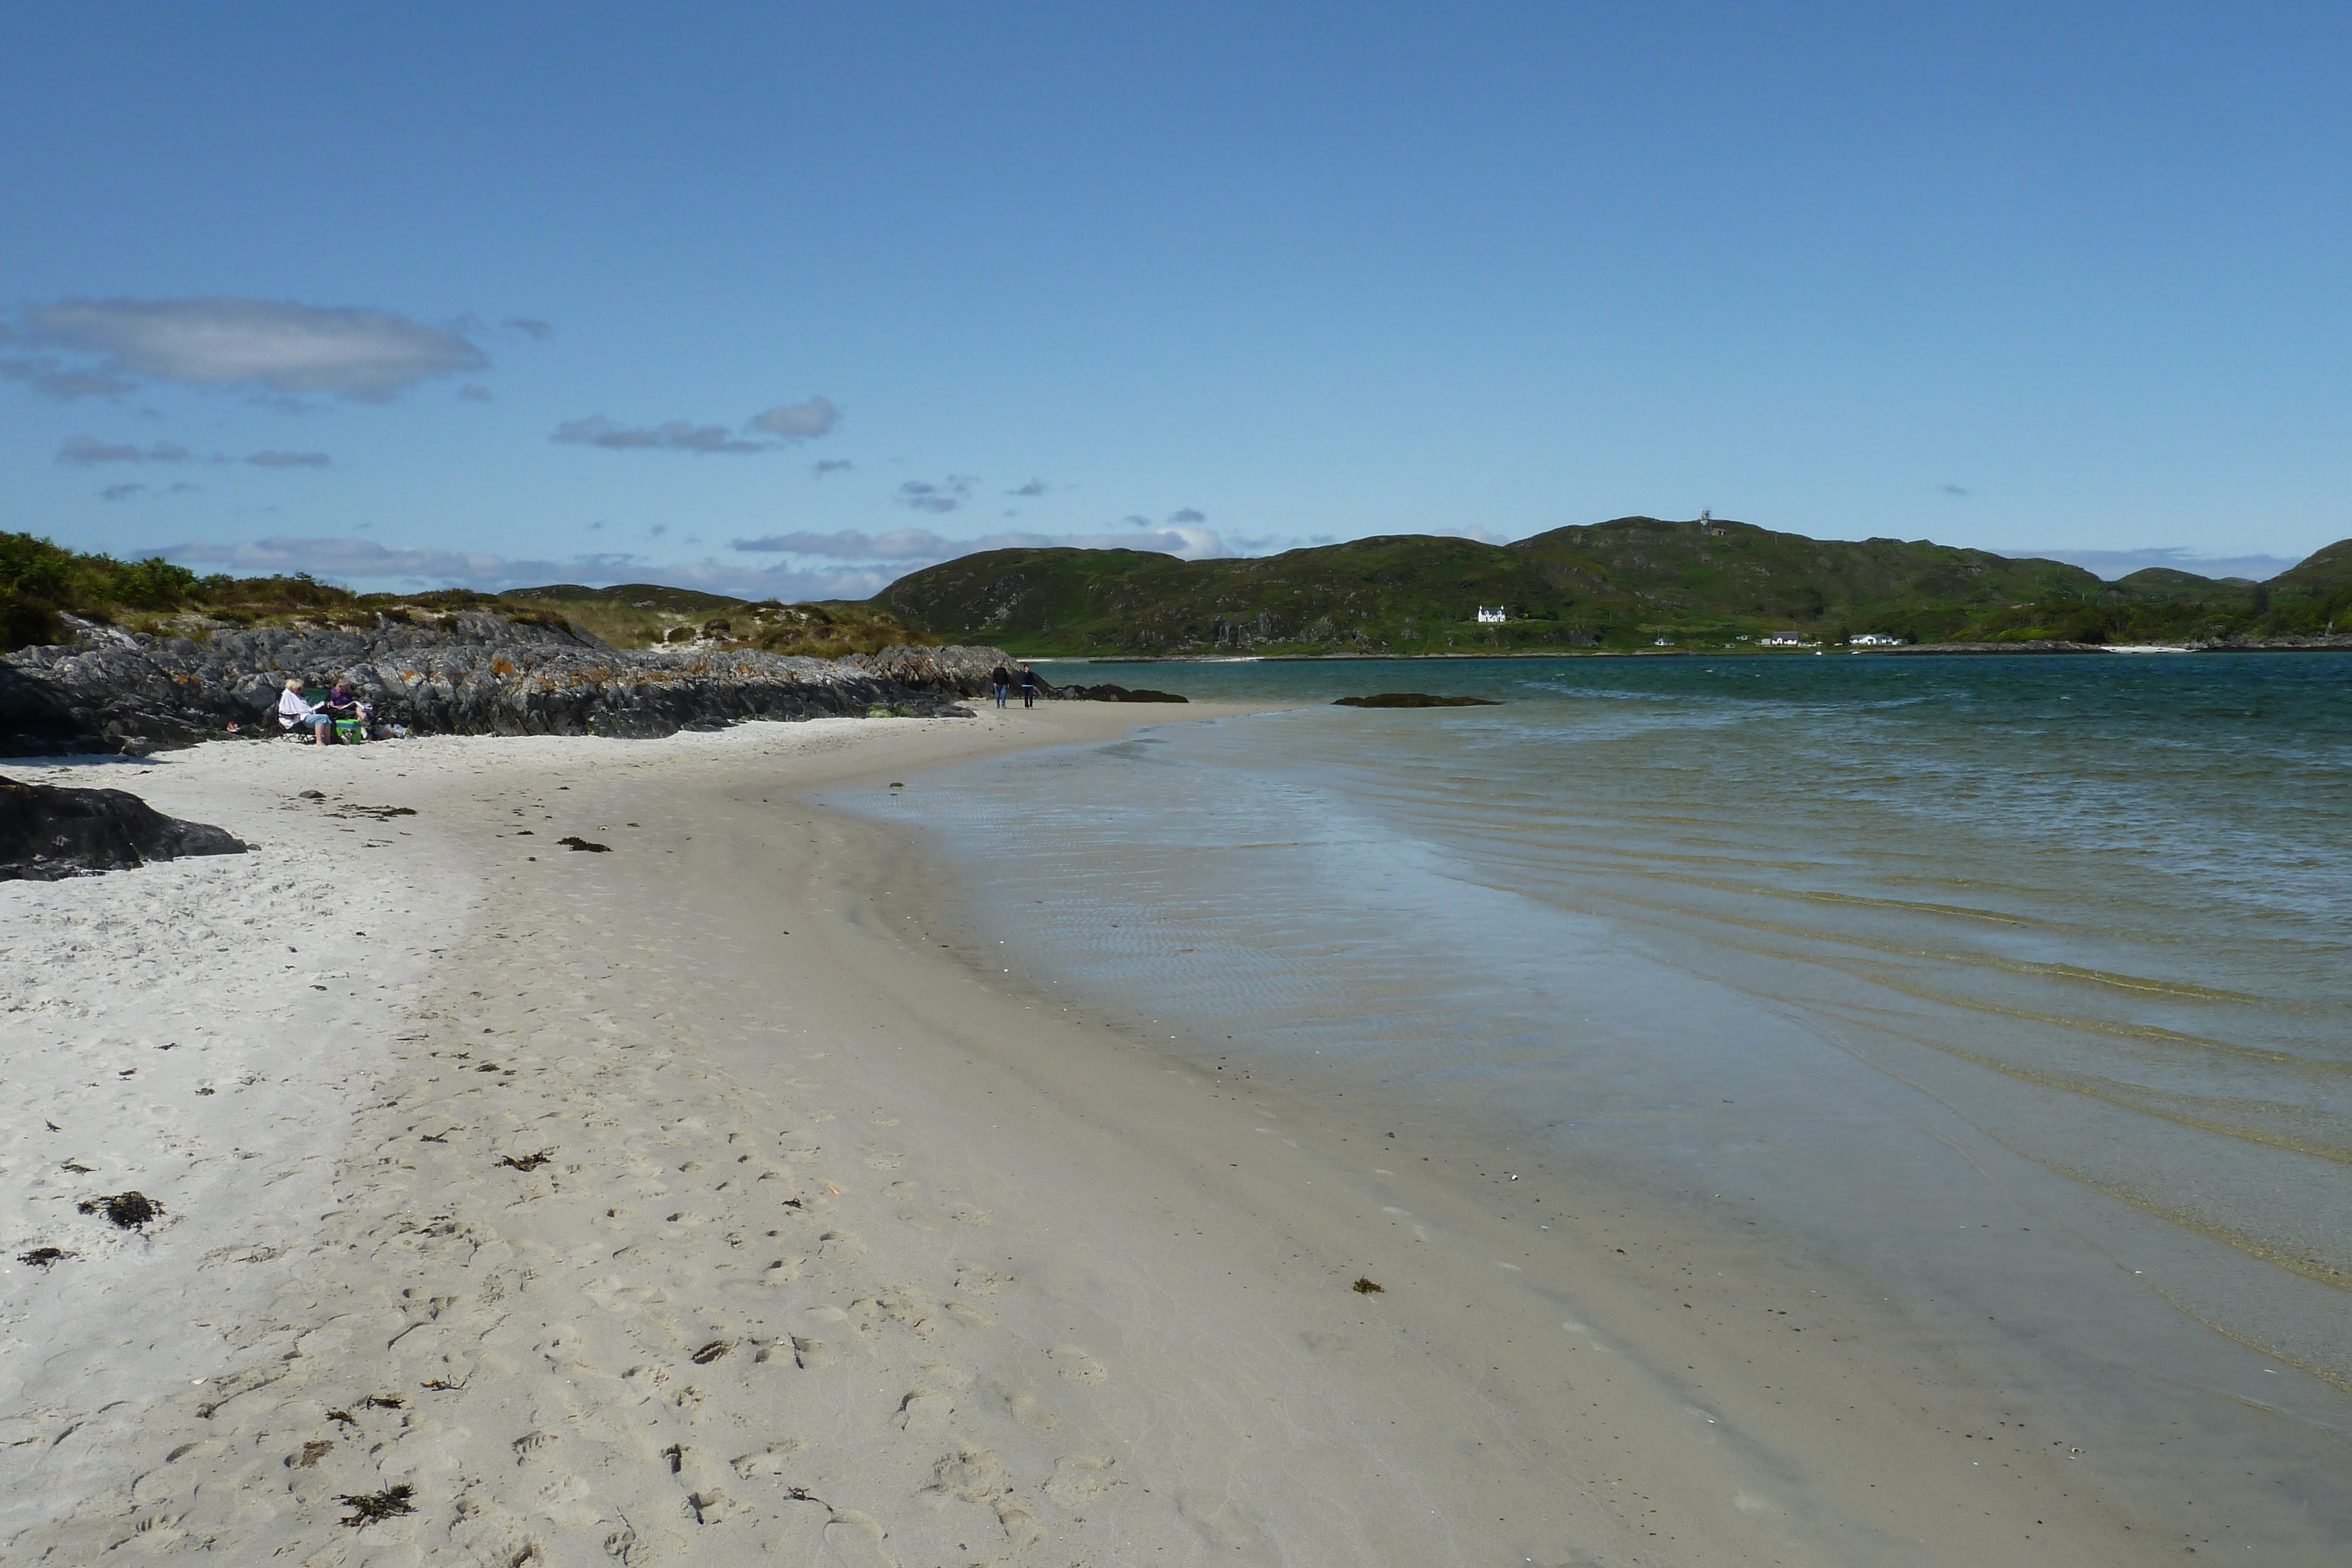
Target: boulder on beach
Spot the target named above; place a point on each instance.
(50, 831)
(1414, 699)
(1107, 692)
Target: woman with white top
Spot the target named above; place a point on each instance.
(292, 710)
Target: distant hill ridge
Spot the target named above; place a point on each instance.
(1631, 582)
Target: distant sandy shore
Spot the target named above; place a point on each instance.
(727, 1198)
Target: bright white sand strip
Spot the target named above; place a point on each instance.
(844, 1248)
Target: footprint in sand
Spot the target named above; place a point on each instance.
(770, 1462)
(924, 1410)
(978, 1281)
(1078, 1479)
(1076, 1365)
(1031, 1411)
(854, 1540)
(972, 1474)
(1021, 1526)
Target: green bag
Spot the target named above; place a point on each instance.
(349, 731)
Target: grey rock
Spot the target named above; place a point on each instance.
(49, 832)
(469, 672)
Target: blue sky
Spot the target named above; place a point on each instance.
(793, 299)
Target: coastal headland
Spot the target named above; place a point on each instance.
(738, 1195)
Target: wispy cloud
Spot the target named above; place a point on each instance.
(921, 547)
(367, 562)
(1188, 515)
(2111, 564)
(824, 465)
(786, 425)
(345, 559)
(1950, 489)
(474, 392)
(85, 452)
(677, 436)
(537, 331)
(277, 345)
(1034, 487)
(799, 420)
(944, 496)
(88, 452)
(47, 373)
(125, 492)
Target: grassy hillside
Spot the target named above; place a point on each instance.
(41, 582)
(1623, 584)
(640, 614)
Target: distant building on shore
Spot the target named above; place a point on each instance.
(1785, 640)
(1492, 614)
(1873, 640)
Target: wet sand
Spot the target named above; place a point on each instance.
(734, 1195)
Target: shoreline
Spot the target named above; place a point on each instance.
(1041, 1279)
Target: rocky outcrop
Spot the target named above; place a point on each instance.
(1413, 699)
(469, 672)
(959, 671)
(47, 832)
(1107, 692)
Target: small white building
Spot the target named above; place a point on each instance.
(1785, 640)
(1873, 640)
(1662, 642)
(1492, 615)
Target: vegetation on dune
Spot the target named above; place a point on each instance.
(41, 583)
(1633, 583)
(645, 614)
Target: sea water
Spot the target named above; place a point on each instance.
(1905, 955)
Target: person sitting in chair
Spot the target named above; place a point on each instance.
(292, 711)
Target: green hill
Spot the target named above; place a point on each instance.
(41, 583)
(1623, 584)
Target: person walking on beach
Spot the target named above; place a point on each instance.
(1028, 686)
(1001, 680)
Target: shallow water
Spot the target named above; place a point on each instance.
(1806, 932)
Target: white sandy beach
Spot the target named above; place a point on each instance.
(848, 1246)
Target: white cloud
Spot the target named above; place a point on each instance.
(2112, 564)
(942, 497)
(343, 560)
(799, 420)
(85, 451)
(912, 547)
(278, 345)
(365, 563)
(786, 425)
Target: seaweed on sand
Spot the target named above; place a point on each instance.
(127, 1210)
(372, 1506)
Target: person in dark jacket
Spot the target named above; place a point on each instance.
(1028, 686)
(1000, 680)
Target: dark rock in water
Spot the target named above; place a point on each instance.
(1414, 699)
(47, 832)
(576, 842)
(468, 673)
(1107, 692)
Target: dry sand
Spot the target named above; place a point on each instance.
(723, 1198)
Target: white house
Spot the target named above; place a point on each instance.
(1492, 615)
(1785, 640)
(1873, 640)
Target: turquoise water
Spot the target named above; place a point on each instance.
(1907, 955)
